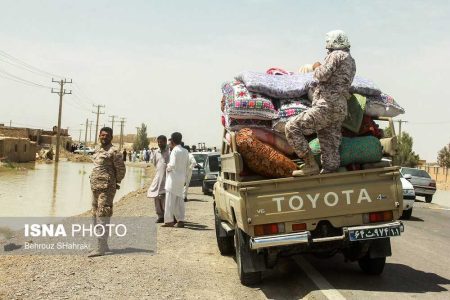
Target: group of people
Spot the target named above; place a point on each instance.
(173, 164)
(133, 156)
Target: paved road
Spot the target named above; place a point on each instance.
(419, 267)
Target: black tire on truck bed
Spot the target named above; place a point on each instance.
(372, 266)
(225, 244)
(241, 242)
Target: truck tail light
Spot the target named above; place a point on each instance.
(379, 216)
(299, 227)
(432, 183)
(266, 229)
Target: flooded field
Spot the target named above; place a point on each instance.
(55, 190)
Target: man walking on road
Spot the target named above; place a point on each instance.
(159, 159)
(177, 170)
(109, 170)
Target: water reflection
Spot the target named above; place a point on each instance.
(61, 189)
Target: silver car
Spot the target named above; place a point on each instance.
(423, 184)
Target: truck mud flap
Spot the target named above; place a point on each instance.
(380, 248)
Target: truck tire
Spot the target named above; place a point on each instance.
(225, 244)
(372, 266)
(407, 214)
(428, 198)
(241, 243)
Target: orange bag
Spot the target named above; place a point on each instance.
(261, 158)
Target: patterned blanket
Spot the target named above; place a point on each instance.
(364, 86)
(383, 106)
(243, 104)
(276, 86)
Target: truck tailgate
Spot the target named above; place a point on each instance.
(323, 196)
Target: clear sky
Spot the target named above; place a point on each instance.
(163, 62)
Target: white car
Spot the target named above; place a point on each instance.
(86, 150)
(409, 196)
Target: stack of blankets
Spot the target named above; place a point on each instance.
(264, 102)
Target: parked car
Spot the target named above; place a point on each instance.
(86, 150)
(198, 173)
(212, 169)
(409, 196)
(422, 182)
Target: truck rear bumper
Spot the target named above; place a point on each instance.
(304, 237)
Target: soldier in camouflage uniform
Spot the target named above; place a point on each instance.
(108, 172)
(329, 107)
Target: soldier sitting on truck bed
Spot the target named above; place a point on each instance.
(329, 107)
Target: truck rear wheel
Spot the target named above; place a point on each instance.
(225, 244)
(241, 243)
(372, 266)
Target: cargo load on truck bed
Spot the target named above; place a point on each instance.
(256, 106)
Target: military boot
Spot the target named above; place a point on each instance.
(310, 167)
(102, 240)
(99, 251)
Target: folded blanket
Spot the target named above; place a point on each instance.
(288, 109)
(262, 158)
(383, 106)
(237, 124)
(355, 112)
(242, 104)
(364, 86)
(358, 150)
(277, 86)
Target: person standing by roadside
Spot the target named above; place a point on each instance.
(124, 155)
(177, 170)
(108, 172)
(159, 159)
(192, 164)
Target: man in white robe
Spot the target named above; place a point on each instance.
(177, 170)
(192, 164)
(159, 159)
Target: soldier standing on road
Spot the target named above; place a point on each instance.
(159, 159)
(329, 107)
(109, 170)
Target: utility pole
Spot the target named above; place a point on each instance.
(112, 122)
(61, 93)
(90, 131)
(400, 127)
(85, 136)
(96, 124)
(122, 123)
(79, 137)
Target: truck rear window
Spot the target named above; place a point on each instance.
(415, 172)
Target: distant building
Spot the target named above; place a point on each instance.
(16, 149)
(28, 139)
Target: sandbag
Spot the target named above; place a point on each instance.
(242, 104)
(383, 106)
(358, 150)
(261, 158)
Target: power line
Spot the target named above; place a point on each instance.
(23, 63)
(21, 80)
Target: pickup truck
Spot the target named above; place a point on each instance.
(84, 150)
(260, 220)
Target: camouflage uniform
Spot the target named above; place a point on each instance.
(328, 111)
(109, 170)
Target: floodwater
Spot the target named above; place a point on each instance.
(55, 190)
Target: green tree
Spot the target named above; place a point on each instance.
(141, 141)
(444, 157)
(405, 157)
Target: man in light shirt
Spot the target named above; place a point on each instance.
(159, 159)
(192, 164)
(177, 171)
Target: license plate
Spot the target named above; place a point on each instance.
(373, 233)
